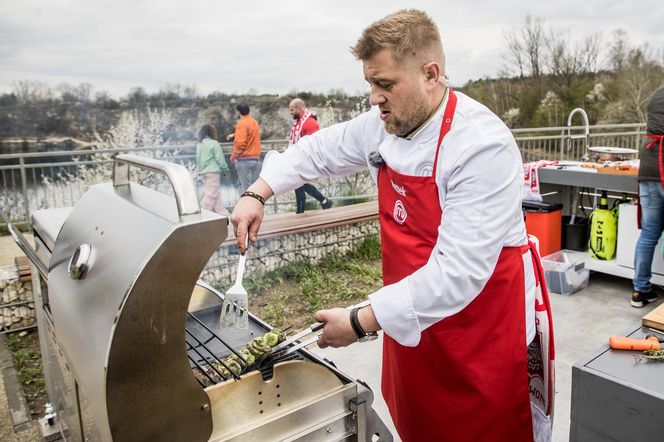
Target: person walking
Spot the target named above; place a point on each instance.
(211, 164)
(462, 283)
(651, 201)
(246, 155)
(305, 124)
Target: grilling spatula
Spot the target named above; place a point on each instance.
(234, 313)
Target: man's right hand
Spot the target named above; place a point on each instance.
(230, 137)
(248, 214)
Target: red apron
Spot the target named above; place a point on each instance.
(467, 379)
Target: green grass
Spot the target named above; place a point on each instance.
(27, 363)
(291, 294)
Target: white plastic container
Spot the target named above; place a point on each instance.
(565, 272)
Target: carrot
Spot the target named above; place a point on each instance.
(622, 343)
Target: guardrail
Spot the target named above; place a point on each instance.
(549, 143)
(32, 181)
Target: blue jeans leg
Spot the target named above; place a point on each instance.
(247, 172)
(651, 196)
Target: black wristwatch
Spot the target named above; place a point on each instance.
(362, 336)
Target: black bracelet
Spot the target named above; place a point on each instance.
(253, 195)
(355, 323)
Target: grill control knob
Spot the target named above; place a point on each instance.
(78, 264)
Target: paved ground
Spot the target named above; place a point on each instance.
(583, 323)
(9, 250)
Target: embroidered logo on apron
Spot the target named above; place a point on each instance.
(400, 214)
(398, 189)
(424, 169)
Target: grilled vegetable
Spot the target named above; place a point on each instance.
(246, 354)
(251, 352)
(271, 339)
(260, 345)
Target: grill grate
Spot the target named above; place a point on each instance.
(208, 350)
(203, 350)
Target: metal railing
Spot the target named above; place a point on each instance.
(32, 181)
(549, 143)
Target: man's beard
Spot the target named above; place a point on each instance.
(414, 114)
(296, 117)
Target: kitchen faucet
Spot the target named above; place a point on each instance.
(586, 134)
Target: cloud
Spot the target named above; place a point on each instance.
(272, 47)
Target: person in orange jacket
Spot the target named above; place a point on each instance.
(246, 154)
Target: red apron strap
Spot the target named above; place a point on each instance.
(539, 277)
(448, 116)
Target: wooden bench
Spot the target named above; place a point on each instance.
(292, 223)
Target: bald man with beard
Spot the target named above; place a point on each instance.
(305, 124)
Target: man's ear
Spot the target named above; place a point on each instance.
(431, 71)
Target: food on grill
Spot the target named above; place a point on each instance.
(251, 353)
(272, 338)
(258, 346)
(250, 358)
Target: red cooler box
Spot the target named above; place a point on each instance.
(544, 220)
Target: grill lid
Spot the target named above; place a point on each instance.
(122, 272)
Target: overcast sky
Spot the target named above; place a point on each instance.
(269, 46)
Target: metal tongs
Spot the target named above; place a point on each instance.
(283, 349)
(234, 310)
(296, 341)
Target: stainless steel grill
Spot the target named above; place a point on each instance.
(130, 339)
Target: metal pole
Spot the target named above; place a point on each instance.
(24, 189)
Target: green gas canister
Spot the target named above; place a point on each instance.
(603, 231)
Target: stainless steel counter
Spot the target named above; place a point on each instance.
(579, 191)
(593, 180)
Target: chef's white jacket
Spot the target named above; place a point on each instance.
(479, 178)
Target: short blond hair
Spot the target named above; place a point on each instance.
(409, 33)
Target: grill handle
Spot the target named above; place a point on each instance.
(25, 245)
(183, 188)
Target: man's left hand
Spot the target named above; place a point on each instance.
(337, 331)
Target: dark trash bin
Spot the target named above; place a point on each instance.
(575, 236)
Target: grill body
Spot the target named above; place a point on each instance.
(124, 326)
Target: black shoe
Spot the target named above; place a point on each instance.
(326, 203)
(640, 299)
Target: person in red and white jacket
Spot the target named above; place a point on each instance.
(305, 124)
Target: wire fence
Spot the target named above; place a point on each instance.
(33, 181)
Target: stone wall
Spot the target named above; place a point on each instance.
(272, 253)
(16, 306)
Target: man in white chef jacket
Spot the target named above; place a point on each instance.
(458, 304)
